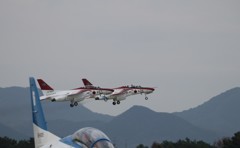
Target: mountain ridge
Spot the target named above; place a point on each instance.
(139, 122)
(136, 125)
(16, 114)
(219, 113)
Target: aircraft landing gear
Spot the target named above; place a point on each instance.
(116, 102)
(75, 104)
(146, 98)
(105, 98)
(72, 104)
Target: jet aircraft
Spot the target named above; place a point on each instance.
(121, 93)
(87, 137)
(74, 96)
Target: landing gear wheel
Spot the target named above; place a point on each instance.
(114, 103)
(75, 103)
(146, 98)
(118, 102)
(105, 99)
(71, 105)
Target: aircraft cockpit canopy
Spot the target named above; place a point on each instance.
(133, 86)
(92, 138)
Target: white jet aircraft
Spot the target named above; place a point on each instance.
(74, 96)
(121, 93)
(84, 138)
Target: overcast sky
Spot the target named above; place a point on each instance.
(189, 50)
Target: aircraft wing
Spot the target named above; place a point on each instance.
(118, 94)
(76, 92)
(45, 98)
(122, 92)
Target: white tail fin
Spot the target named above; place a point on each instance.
(41, 135)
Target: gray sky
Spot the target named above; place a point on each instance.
(188, 49)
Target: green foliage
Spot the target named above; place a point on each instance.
(187, 143)
(6, 142)
(141, 146)
(233, 142)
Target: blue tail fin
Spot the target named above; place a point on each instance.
(37, 112)
(42, 137)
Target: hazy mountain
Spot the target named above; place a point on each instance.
(15, 110)
(215, 118)
(221, 113)
(62, 131)
(138, 125)
(9, 132)
(142, 125)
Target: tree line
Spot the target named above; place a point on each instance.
(233, 142)
(6, 142)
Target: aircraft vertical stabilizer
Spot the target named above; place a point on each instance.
(86, 82)
(46, 89)
(41, 135)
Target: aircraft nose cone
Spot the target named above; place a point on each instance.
(148, 90)
(152, 89)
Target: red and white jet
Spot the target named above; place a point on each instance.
(121, 93)
(74, 95)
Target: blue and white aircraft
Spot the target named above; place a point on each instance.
(84, 138)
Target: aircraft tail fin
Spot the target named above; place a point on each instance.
(46, 89)
(41, 135)
(86, 82)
